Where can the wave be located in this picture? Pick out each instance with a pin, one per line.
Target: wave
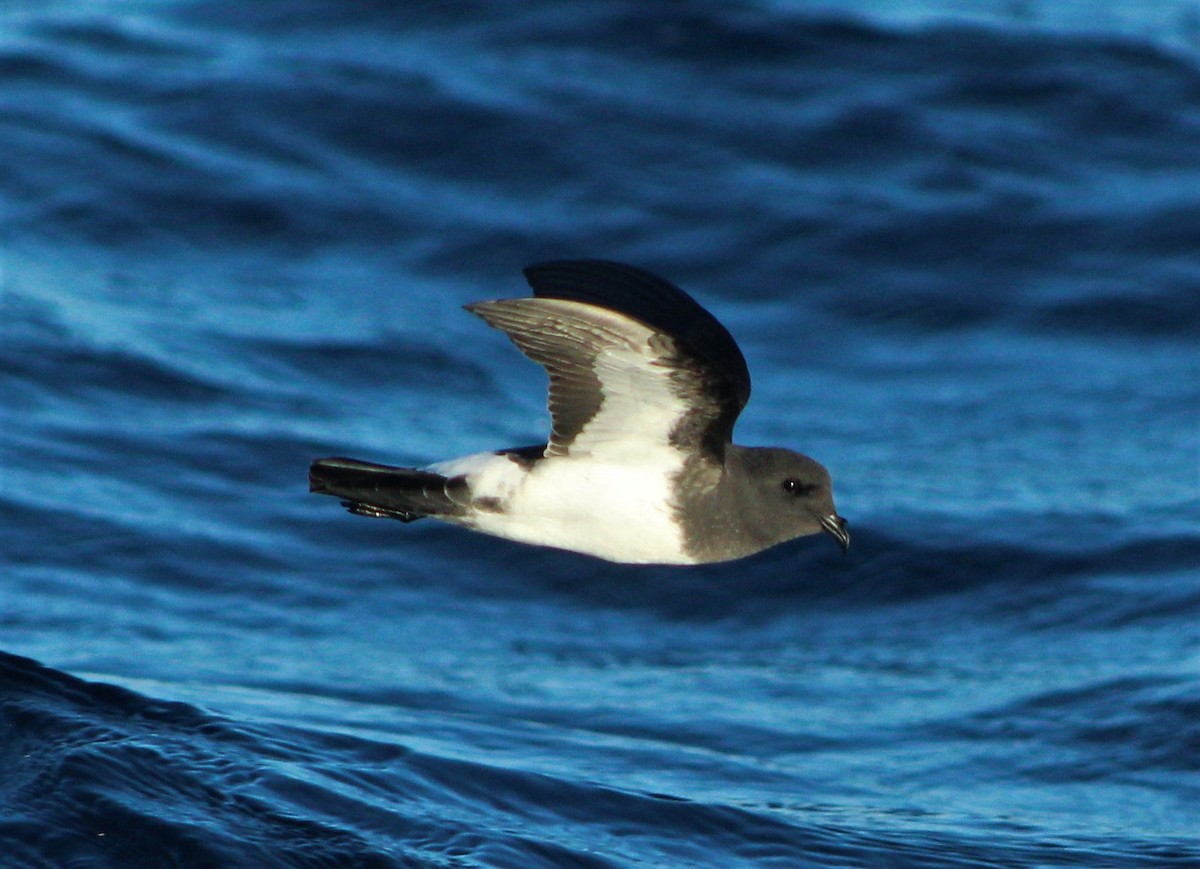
(1108, 728)
(78, 371)
(370, 143)
(385, 361)
(45, 358)
(107, 777)
(1028, 585)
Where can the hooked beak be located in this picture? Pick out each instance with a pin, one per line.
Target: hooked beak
(836, 525)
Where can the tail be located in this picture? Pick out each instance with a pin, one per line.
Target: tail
(367, 489)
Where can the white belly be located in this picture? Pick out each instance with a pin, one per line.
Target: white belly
(617, 511)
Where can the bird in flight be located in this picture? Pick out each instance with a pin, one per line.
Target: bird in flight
(639, 467)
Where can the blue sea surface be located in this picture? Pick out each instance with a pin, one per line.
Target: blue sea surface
(959, 245)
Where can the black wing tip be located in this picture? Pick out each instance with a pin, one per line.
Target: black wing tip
(653, 300)
(550, 278)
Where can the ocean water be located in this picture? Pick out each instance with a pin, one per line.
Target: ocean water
(960, 247)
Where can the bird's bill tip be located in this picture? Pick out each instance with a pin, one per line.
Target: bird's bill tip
(836, 526)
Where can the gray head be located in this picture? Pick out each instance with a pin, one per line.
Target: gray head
(783, 494)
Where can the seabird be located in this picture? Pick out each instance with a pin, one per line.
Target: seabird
(640, 467)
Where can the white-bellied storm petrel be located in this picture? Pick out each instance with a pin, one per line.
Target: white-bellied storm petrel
(645, 387)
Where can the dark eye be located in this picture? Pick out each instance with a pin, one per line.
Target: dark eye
(794, 487)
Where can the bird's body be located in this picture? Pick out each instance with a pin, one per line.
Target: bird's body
(645, 386)
(620, 511)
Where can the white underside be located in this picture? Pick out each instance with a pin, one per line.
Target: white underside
(617, 510)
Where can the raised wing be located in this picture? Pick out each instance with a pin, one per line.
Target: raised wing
(635, 364)
(656, 302)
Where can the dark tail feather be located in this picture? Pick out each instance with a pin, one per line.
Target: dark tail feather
(367, 489)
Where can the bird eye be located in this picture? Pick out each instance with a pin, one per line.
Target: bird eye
(794, 487)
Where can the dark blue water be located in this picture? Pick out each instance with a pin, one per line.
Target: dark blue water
(961, 254)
